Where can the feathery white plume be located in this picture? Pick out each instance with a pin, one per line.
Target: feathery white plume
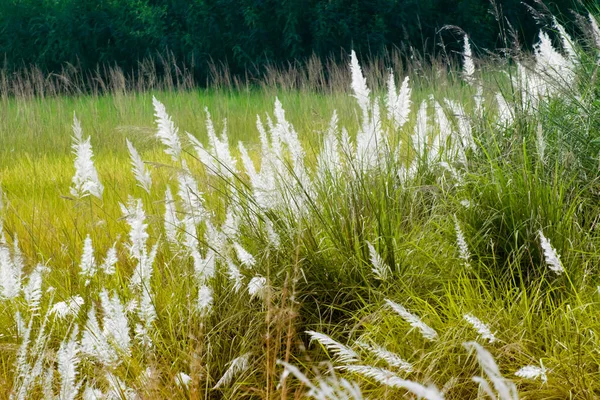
(205, 300)
(414, 321)
(481, 328)
(385, 355)
(380, 268)
(505, 388)
(463, 247)
(567, 41)
(595, 29)
(419, 137)
(85, 180)
(550, 254)
(359, 84)
(94, 343)
(88, 262)
(468, 65)
(111, 259)
(388, 378)
(182, 379)
(92, 393)
(236, 366)
(328, 161)
(69, 307)
(398, 105)
(172, 223)
(33, 289)
(116, 326)
(505, 114)
(10, 273)
(147, 315)
(167, 132)
(343, 354)
(139, 169)
(245, 258)
(234, 275)
(257, 287)
(533, 372)
(68, 361)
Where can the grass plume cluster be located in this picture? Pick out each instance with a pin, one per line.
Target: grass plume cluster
(438, 240)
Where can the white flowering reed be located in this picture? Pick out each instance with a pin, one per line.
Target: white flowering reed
(387, 356)
(205, 300)
(551, 255)
(414, 321)
(505, 389)
(482, 329)
(343, 354)
(461, 242)
(68, 361)
(388, 378)
(116, 325)
(85, 180)
(257, 287)
(167, 132)
(398, 104)
(87, 266)
(142, 175)
(468, 71)
(379, 267)
(69, 307)
(236, 366)
(533, 372)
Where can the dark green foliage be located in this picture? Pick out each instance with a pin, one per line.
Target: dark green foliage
(244, 34)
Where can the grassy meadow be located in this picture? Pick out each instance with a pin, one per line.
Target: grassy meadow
(431, 235)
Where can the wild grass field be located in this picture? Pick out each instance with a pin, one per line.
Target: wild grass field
(433, 235)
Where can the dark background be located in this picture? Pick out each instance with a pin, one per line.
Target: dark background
(246, 34)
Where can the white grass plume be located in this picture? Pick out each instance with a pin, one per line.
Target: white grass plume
(414, 321)
(343, 354)
(87, 266)
(235, 276)
(505, 114)
(550, 255)
(388, 378)
(68, 361)
(147, 315)
(94, 343)
(398, 104)
(111, 259)
(116, 325)
(257, 287)
(33, 289)
(533, 372)
(419, 137)
(567, 42)
(595, 30)
(69, 307)
(205, 300)
(167, 132)
(139, 169)
(10, 274)
(329, 388)
(182, 379)
(505, 388)
(468, 71)
(463, 247)
(359, 84)
(171, 221)
(236, 366)
(85, 180)
(245, 258)
(380, 268)
(389, 357)
(481, 328)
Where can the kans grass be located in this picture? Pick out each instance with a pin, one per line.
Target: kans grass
(436, 238)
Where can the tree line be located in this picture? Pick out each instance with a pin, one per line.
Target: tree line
(245, 34)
